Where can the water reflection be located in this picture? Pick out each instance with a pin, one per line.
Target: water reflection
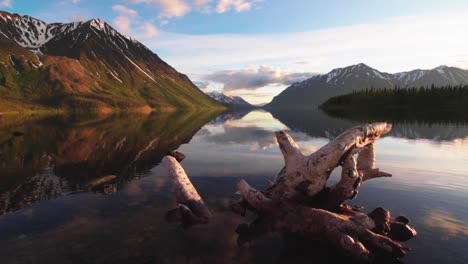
(447, 223)
(318, 124)
(63, 155)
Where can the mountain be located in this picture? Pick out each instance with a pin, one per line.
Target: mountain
(442, 75)
(86, 65)
(316, 90)
(233, 101)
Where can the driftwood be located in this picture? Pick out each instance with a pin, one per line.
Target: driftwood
(300, 203)
(191, 210)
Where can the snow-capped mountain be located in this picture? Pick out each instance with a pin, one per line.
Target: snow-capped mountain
(315, 90)
(442, 75)
(229, 100)
(87, 63)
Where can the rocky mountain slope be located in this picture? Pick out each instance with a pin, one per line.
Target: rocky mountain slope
(314, 91)
(86, 66)
(233, 101)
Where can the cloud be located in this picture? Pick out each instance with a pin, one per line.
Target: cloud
(202, 6)
(149, 30)
(238, 5)
(201, 84)
(392, 45)
(172, 8)
(123, 24)
(124, 10)
(168, 8)
(75, 1)
(136, 29)
(256, 78)
(6, 3)
(129, 23)
(201, 2)
(178, 8)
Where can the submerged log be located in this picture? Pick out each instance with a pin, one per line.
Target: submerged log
(191, 210)
(300, 203)
(100, 181)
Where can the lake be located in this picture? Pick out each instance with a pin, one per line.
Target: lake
(50, 214)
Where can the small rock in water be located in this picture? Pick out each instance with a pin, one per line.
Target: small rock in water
(401, 232)
(402, 219)
(179, 156)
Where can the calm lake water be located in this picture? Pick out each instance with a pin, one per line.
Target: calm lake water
(48, 213)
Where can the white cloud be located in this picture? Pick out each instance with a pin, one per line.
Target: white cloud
(201, 84)
(150, 30)
(75, 2)
(392, 45)
(167, 8)
(128, 22)
(255, 78)
(238, 5)
(172, 8)
(141, 30)
(123, 24)
(6, 3)
(178, 8)
(124, 10)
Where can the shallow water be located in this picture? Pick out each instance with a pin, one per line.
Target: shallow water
(49, 214)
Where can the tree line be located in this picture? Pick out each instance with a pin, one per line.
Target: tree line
(452, 94)
(427, 102)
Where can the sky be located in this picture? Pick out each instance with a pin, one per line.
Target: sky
(256, 48)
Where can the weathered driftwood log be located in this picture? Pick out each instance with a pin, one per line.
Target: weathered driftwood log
(299, 202)
(191, 209)
(306, 176)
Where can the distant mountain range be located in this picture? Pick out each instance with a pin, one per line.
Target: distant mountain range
(85, 65)
(232, 101)
(316, 90)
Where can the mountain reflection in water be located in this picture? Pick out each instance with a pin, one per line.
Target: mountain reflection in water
(58, 155)
(54, 209)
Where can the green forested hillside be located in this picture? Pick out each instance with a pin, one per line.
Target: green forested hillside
(87, 66)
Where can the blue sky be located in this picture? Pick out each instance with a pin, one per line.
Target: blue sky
(255, 48)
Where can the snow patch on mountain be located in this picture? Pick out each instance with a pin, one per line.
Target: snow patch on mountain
(33, 34)
(228, 100)
(363, 73)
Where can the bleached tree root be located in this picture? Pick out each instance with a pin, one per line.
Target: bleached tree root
(191, 209)
(300, 203)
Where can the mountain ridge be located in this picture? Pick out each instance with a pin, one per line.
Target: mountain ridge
(87, 65)
(315, 90)
(231, 101)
